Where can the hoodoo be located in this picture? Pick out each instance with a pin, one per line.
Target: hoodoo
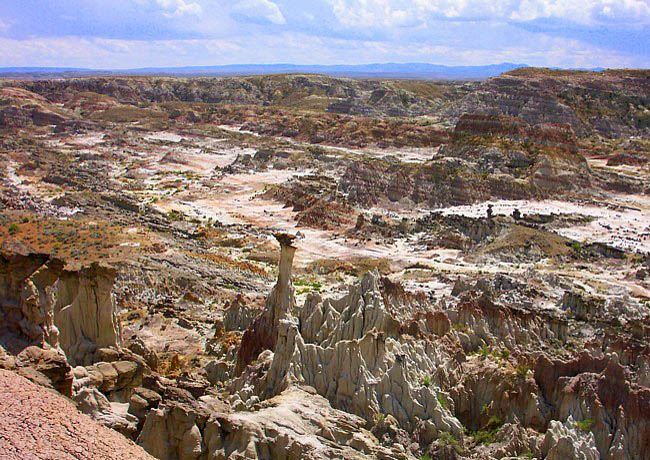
(43, 303)
(262, 334)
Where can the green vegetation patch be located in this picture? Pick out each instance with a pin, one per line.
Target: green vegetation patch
(305, 286)
(488, 435)
(585, 425)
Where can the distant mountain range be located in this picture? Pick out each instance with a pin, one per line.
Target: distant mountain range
(389, 70)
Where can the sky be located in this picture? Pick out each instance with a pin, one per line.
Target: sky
(126, 34)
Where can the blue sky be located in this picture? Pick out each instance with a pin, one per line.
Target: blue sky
(146, 33)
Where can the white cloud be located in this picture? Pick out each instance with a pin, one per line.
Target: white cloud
(179, 7)
(302, 48)
(259, 11)
(116, 54)
(3, 26)
(383, 13)
(374, 13)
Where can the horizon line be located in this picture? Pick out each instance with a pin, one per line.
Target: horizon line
(36, 68)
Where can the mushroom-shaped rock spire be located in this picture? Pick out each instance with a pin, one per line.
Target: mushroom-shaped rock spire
(280, 303)
(287, 251)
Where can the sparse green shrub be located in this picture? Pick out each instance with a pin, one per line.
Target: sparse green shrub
(484, 352)
(426, 380)
(494, 421)
(488, 435)
(522, 370)
(484, 436)
(585, 425)
(448, 439)
(460, 327)
(13, 229)
(307, 286)
(175, 215)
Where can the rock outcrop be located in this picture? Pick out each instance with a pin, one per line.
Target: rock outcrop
(352, 352)
(295, 424)
(343, 95)
(174, 431)
(238, 316)
(381, 354)
(609, 103)
(20, 108)
(487, 157)
(85, 313)
(41, 302)
(596, 392)
(567, 442)
(262, 335)
(46, 366)
(92, 402)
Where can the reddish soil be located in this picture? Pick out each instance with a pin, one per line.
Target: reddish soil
(39, 424)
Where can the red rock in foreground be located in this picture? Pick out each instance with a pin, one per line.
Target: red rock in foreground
(39, 424)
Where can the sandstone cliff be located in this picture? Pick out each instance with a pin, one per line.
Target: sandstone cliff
(42, 303)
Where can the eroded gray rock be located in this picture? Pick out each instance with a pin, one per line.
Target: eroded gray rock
(564, 441)
(44, 303)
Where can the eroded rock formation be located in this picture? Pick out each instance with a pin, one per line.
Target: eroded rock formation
(369, 353)
(351, 352)
(262, 335)
(42, 303)
(600, 102)
(295, 424)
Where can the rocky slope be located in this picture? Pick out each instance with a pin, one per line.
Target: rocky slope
(341, 95)
(488, 157)
(611, 103)
(42, 303)
(38, 424)
(19, 107)
(387, 356)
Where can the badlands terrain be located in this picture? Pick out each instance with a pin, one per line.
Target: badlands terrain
(306, 267)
